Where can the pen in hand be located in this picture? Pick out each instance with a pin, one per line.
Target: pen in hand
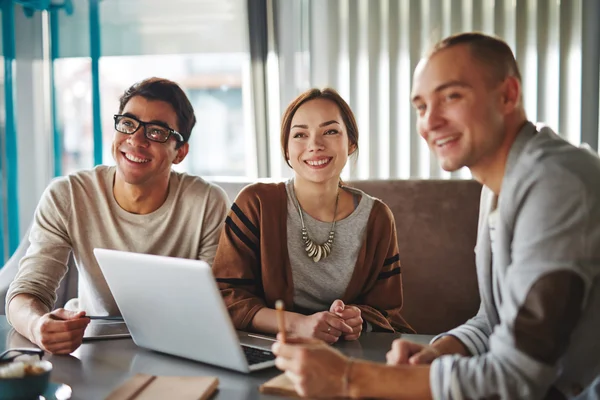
(104, 317)
(279, 309)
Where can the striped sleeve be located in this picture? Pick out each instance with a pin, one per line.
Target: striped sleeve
(237, 262)
(473, 334)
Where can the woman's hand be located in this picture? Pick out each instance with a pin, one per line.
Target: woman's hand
(351, 316)
(323, 325)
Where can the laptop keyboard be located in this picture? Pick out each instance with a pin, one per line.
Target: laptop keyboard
(255, 356)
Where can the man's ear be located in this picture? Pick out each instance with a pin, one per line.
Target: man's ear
(181, 153)
(511, 95)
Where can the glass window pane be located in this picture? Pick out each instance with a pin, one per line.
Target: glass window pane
(73, 80)
(157, 27)
(201, 45)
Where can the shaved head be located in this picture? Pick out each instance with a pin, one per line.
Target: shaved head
(493, 53)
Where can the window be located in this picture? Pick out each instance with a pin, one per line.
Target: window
(200, 45)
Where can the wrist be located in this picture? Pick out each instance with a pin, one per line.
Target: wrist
(437, 353)
(449, 345)
(346, 379)
(32, 328)
(354, 376)
(292, 321)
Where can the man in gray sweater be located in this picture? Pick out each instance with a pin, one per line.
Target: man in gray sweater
(537, 253)
(139, 205)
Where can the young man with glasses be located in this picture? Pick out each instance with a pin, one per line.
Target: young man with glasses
(139, 205)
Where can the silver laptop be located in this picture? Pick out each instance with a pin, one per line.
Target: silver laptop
(173, 305)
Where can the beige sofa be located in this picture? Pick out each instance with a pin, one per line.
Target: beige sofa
(436, 222)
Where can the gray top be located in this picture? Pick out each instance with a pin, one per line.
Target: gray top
(318, 284)
(539, 279)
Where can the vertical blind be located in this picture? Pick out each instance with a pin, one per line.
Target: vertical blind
(368, 49)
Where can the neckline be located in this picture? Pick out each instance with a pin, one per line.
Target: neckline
(160, 211)
(289, 186)
(301, 210)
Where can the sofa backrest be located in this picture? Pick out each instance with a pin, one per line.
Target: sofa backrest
(436, 221)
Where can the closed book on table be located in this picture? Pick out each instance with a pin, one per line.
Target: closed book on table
(281, 385)
(150, 387)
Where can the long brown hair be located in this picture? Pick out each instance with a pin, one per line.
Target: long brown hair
(328, 94)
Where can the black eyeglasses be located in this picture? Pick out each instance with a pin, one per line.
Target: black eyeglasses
(155, 132)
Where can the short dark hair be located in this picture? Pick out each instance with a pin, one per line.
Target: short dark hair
(327, 94)
(169, 92)
(491, 51)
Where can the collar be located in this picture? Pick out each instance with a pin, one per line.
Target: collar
(525, 134)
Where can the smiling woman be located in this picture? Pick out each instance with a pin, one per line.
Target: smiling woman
(304, 241)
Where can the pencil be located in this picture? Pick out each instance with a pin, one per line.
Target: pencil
(279, 307)
(105, 317)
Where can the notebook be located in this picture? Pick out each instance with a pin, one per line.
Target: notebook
(281, 385)
(150, 387)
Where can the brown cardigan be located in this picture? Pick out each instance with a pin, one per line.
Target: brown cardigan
(252, 265)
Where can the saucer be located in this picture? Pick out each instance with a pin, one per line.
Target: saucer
(57, 391)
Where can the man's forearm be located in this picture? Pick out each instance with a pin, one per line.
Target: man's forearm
(23, 311)
(450, 345)
(373, 380)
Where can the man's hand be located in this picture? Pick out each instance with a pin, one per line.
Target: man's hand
(351, 316)
(323, 325)
(60, 331)
(405, 352)
(315, 369)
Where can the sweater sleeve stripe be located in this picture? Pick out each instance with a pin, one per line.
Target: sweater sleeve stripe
(441, 379)
(236, 281)
(245, 239)
(389, 274)
(479, 335)
(240, 214)
(391, 260)
(466, 338)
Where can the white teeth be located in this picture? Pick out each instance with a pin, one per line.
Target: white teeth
(319, 162)
(441, 142)
(136, 159)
